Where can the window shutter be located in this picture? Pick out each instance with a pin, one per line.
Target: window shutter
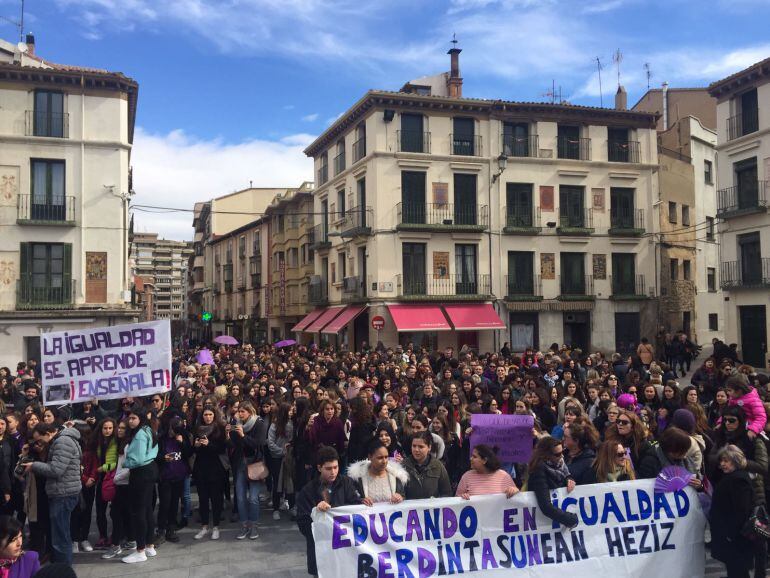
(25, 262)
(67, 272)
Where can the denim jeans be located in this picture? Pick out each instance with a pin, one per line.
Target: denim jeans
(247, 497)
(187, 499)
(61, 540)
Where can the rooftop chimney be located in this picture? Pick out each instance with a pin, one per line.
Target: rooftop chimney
(455, 81)
(621, 99)
(30, 42)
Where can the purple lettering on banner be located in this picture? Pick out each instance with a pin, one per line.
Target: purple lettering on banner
(338, 534)
(510, 436)
(426, 563)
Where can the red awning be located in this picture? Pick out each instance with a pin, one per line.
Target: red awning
(322, 320)
(350, 313)
(307, 320)
(473, 316)
(410, 317)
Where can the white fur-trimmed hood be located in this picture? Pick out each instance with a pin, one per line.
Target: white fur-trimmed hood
(395, 470)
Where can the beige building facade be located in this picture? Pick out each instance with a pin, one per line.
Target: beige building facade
(66, 134)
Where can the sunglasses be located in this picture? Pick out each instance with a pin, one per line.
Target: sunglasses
(731, 420)
(620, 454)
(624, 422)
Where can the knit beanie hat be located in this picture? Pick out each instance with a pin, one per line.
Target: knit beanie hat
(684, 420)
(626, 401)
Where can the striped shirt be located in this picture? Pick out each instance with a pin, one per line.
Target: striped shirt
(477, 484)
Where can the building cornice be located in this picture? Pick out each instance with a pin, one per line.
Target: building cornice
(741, 80)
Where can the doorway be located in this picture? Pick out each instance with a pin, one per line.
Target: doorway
(627, 332)
(577, 330)
(753, 334)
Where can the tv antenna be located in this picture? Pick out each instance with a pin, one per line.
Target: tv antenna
(454, 40)
(617, 58)
(599, 70)
(648, 72)
(552, 94)
(17, 23)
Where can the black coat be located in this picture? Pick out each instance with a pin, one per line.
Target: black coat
(541, 485)
(731, 506)
(580, 467)
(343, 492)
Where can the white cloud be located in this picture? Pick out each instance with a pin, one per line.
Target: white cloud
(176, 170)
(310, 117)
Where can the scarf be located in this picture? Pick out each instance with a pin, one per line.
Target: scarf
(558, 474)
(249, 423)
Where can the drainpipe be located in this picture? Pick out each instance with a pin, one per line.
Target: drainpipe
(82, 180)
(665, 105)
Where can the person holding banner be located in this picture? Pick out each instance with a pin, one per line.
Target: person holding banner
(379, 479)
(547, 471)
(485, 476)
(428, 477)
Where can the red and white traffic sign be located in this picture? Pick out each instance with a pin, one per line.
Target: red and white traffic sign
(378, 322)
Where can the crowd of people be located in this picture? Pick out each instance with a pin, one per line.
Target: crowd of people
(304, 427)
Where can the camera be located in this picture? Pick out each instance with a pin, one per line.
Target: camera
(20, 470)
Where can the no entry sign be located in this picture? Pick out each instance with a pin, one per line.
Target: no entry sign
(378, 322)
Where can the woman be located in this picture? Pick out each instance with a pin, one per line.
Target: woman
(120, 508)
(209, 469)
(362, 428)
(428, 477)
(387, 436)
(279, 436)
(324, 428)
(378, 478)
(580, 440)
(689, 395)
(717, 407)
(173, 458)
(246, 438)
(485, 476)
(731, 506)
(706, 380)
(612, 464)
(547, 472)
(16, 563)
(105, 446)
(141, 452)
(629, 430)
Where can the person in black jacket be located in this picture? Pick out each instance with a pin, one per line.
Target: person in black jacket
(209, 469)
(329, 490)
(547, 471)
(581, 439)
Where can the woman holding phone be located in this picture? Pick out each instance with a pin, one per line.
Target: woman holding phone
(209, 469)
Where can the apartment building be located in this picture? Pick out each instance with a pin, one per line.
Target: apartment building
(688, 249)
(451, 221)
(66, 134)
(743, 170)
(165, 263)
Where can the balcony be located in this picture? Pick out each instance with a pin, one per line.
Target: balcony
(318, 294)
(437, 288)
(578, 149)
(58, 210)
(576, 222)
(242, 282)
(625, 288)
(357, 221)
(576, 288)
(742, 124)
(738, 275)
(353, 289)
(339, 163)
(742, 200)
(413, 141)
(626, 222)
(525, 222)
(441, 217)
(48, 124)
(30, 297)
(323, 174)
(523, 289)
(623, 151)
(319, 237)
(520, 146)
(359, 149)
(468, 145)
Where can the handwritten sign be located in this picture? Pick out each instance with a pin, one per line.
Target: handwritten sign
(509, 435)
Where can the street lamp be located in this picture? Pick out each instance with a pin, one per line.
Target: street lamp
(502, 163)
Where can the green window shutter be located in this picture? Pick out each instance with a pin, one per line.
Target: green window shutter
(25, 273)
(67, 272)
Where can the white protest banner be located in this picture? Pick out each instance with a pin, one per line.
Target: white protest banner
(625, 529)
(106, 363)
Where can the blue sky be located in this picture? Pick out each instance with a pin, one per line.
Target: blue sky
(232, 90)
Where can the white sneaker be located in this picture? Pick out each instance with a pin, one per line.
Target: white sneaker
(215, 533)
(85, 546)
(135, 557)
(285, 505)
(276, 515)
(150, 552)
(203, 531)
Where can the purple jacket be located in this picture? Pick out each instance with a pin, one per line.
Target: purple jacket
(25, 567)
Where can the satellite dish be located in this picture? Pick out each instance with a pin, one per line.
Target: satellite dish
(23, 48)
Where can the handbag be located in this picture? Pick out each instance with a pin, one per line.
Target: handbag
(108, 486)
(757, 527)
(257, 471)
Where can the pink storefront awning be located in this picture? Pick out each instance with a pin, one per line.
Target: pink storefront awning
(412, 317)
(307, 320)
(473, 316)
(322, 320)
(350, 313)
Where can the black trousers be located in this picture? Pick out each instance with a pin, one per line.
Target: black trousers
(120, 513)
(169, 496)
(210, 492)
(141, 483)
(80, 522)
(101, 512)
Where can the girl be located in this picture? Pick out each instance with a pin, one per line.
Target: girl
(247, 437)
(612, 464)
(121, 504)
(104, 445)
(209, 469)
(746, 397)
(378, 478)
(279, 436)
(547, 471)
(174, 452)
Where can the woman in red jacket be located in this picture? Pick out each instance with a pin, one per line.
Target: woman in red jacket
(80, 522)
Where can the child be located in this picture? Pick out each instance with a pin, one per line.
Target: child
(743, 395)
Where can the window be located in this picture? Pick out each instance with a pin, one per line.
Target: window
(747, 185)
(49, 118)
(671, 212)
(709, 228)
(520, 273)
(686, 215)
(686, 273)
(342, 264)
(359, 147)
(413, 263)
(518, 211)
(463, 137)
(517, 140)
(750, 258)
(711, 279)
(623, 274)
(465, 212)
(412, 197)
(573, 281)
(708, 172)
(571, 213)
(569, 143)
(413, 137)
(622, 208)
(618, 145)
(713, 322)
(340, 204)
(339, 160)
(242, 247)
(466, 282)
(48, 201)
(46, 274)
(323, 169)
(673, 269)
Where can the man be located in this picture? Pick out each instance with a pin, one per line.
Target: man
(26, 394)
(61, 471)
(330, 490)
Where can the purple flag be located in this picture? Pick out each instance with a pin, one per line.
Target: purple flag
(510, 436)
(205, 357)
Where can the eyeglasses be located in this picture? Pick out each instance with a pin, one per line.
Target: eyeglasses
(731, 420)
(624, 422)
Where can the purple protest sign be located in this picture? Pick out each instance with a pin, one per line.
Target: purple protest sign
(204, 357)
(509, 435)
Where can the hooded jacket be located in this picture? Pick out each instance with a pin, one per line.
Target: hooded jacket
(398, 477)
(62, 468)
(756, 417)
